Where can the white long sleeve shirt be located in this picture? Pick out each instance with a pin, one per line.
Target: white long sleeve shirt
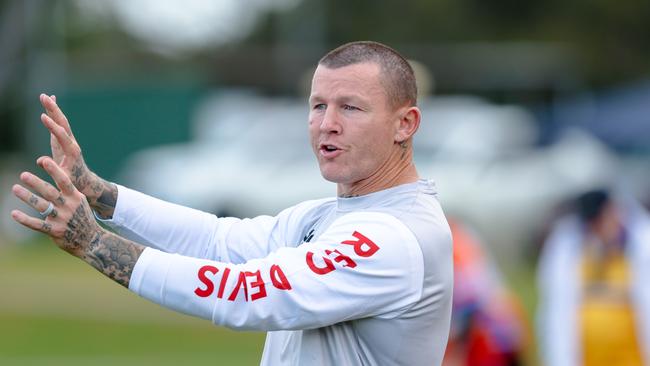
(347, 281)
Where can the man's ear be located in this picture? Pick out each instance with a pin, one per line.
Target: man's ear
(409, 121)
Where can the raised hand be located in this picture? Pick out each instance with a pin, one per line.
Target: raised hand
(66, 152)
(67, 216)
(68, 220)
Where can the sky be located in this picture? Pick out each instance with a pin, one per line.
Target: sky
(175, 27)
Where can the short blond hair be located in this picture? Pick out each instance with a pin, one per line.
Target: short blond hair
(397, 74)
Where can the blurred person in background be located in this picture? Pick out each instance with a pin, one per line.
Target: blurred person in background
(593, 277)
(361, 279)
(488, 327)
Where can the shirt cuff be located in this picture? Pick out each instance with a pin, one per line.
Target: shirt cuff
(149, 274)
(124, 196)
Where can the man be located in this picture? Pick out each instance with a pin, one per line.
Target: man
(361, 279)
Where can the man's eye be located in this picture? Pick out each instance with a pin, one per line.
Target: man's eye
(348, 107)
(320, 106)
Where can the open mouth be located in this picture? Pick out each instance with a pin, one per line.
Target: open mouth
(329, 151)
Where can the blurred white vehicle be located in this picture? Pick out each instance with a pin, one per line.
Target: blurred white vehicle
(489, 171)
(241, 142)
(251, 156)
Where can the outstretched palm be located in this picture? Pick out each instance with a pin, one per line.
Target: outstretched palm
(66, 152)
(65, 149)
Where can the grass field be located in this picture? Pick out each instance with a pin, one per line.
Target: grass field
(55, 310)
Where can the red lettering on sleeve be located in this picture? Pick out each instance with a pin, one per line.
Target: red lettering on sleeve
(347, 261)
(209, 285)
(241, 282)
(278, 278)
(371, 247)
(222, 284)
(329, 266)
(259, 284)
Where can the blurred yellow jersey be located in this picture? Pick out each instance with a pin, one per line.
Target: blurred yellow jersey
(607, 317)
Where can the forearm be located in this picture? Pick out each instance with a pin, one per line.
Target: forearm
(103, 198)
(341, 276)
(159, 224)
(112, 255)
(101, 194)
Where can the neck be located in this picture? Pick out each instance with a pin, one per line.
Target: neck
(397, 170)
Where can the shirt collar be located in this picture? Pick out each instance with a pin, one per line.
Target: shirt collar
(384, 196)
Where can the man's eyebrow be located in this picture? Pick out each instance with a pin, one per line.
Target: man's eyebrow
(315, 98)
(351, 98)
(339, 99)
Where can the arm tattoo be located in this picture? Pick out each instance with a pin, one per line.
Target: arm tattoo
(113, 256)
(106, 198)
(80, 175)
(110, 254)
(101, 195)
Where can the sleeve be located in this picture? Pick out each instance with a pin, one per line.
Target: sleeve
(557, 275)
(177, 229)
(639, 256)
(365, 264)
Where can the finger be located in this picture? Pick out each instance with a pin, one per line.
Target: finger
(60, 177)
(55, 112)
(66, 142)
(30, 198)
(43, 188)
(31, 222)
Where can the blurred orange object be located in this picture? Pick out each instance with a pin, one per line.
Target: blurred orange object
(488, 326)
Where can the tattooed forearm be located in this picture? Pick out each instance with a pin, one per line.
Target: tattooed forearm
(104, 198)
(80, 175)
(113, 256)
(110, 254)
(101, 194)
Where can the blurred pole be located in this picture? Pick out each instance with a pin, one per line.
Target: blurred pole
(11, 41)
(45, 60)
(299, 33)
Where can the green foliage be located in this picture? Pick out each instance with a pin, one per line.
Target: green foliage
(609, 38)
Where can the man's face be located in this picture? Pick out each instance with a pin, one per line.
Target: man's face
(351, 124)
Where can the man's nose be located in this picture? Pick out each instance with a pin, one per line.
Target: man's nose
(330, 122)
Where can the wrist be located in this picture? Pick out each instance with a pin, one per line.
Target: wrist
(84, 244)
(102, 196)
(93, 189)
(113, 256)
(90, 251)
